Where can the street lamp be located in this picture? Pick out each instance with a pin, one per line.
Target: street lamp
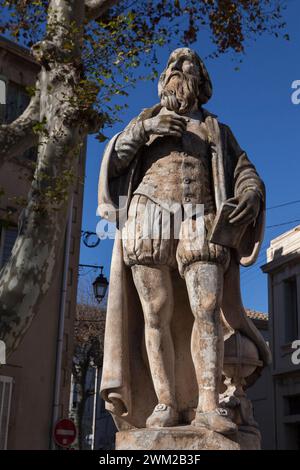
(100, 285)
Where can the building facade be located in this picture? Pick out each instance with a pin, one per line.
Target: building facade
(283, 269)
(35, 383)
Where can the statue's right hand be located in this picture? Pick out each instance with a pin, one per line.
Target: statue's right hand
(165, 124)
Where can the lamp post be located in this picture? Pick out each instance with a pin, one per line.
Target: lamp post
(100, 286)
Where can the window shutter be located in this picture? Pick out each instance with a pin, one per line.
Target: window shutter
(2, 100)
(6, 384)
(9, 237)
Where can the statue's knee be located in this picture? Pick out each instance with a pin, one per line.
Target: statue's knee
(156, 321)
(202, 300)
(158, 313)
(209, 302)
(205, 307)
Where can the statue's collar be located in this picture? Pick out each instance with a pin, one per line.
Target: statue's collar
(207, 113)
(154, 110)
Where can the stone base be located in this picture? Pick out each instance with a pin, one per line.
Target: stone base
(175, 438)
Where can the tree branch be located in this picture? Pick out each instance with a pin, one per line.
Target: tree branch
(19, 136)
(96, 8)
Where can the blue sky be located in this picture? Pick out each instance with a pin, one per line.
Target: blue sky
(256, 103)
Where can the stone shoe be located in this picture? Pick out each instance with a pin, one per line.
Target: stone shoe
(216, 420)
(163, 416)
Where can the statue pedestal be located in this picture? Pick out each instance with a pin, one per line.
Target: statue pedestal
(175, 438)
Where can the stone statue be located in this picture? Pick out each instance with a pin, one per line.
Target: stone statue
(174, 299)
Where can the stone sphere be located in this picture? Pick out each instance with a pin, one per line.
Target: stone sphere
(241, 356)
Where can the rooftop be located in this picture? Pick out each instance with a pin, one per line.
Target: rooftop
(255, 315)
(17, 49)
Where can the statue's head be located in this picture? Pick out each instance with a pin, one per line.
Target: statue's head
(184, 82)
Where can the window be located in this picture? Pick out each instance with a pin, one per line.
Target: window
(17, 101)
(66, 342)
(70, 277)
(68, 309)
(14, 103)
(292, 405)
(291, 309)
(72, 245)
(5, 401)
(74, 215)
(8, 238)
(292, 436)
(2, 100)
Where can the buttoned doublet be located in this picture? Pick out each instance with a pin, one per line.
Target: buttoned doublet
(173, 205)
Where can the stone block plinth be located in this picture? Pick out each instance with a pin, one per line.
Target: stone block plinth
(175, 438)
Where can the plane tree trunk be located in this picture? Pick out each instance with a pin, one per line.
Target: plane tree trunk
(57, 120)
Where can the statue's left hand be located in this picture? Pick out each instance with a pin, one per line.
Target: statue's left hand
(248, 205)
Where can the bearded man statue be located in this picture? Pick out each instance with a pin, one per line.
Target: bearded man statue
(174, 298)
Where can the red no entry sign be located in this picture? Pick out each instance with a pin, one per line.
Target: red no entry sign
(64, 432)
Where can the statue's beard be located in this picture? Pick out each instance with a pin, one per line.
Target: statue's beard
(180, 92)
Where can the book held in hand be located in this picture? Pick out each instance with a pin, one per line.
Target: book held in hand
(223, 232)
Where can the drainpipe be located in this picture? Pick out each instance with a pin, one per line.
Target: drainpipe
(95, 408)
(61, 325)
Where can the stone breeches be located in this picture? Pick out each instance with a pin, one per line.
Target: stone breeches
(154, 236)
